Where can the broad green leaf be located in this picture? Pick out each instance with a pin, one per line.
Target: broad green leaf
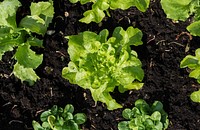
(195, 73)
(134, 85)
(25, 74)
(8, 10)
(69, 108)
(124, 125)
(136, 124)
(9, 39)
(80, 118)
(5, 46)
(106, 98)
(33, 41)
(26, 57)
(142, 5)
(95, 15)
(149, 124)
(70, 125)
(136, 112)
(197, 13)
(135, 71)
(73, 1)
(156, 116)
(82, 78)
(142, 106)
(70, 72)
(81, 43)
(127, 113)
(61, 121)
(46, 125)
(157, 106)
(43, 9)
(189, 61)
(44, 115)
(182, 8)
(37, 126)
(34, 24)
(132, 36)
(195, 96)
(109, 101)
(197, 53)
(103, 35)
(54, 109)
(135, 36)
(68, 116)
(81, 1)
(159, 126)
(194, 28)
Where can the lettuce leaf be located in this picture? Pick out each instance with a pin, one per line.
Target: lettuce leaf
(20, 36)
(193, 63)
(182, 10)
(96, 14)
(100, 64)
(8, 10)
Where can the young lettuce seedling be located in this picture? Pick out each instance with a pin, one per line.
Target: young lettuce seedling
(144, 117)
(100, 65)
(96, 14)
(193, 63)
(58, 118)
(20, 36)
(181, 10)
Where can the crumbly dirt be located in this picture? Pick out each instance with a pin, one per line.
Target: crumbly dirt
(166, 43)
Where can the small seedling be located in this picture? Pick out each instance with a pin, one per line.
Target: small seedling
(58, 118)
(144, 117)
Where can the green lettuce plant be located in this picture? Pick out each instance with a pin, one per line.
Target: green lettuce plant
(100, 64)
(193, 63)
(20, 37)
(144, 117)
(183, 9)
(96, 14)
(58, 118)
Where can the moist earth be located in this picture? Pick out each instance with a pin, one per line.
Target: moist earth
(165, 44)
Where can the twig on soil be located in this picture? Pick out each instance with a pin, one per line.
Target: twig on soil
(38, 112)
(51, 92)
(17, 121)
(93, 126)
(13, 107)
(60, 53)
(184, 33)
(188, 40)
(160, 42)
(8, 103)
(179, 44)
(151, 39)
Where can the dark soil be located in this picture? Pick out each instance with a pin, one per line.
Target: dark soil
(165, 45)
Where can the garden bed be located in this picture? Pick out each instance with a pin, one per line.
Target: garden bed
(164, 45)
